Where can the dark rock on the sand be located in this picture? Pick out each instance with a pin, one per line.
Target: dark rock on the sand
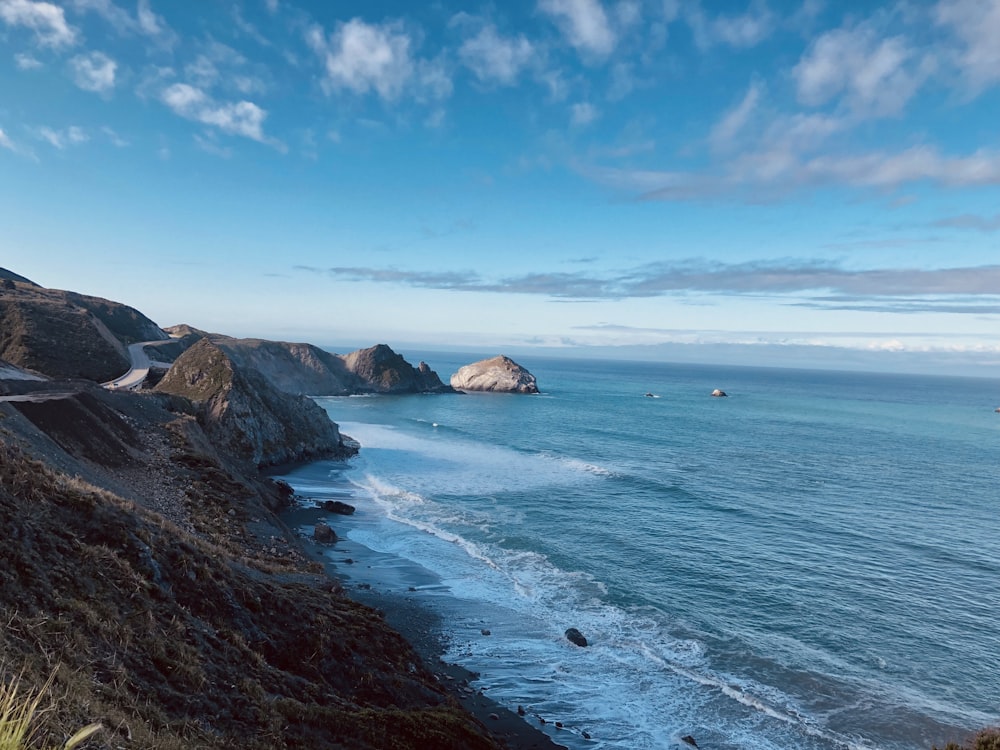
(520, 710)
(335, 506)
(689, 739)
(718, 393)
(575, 636)
(323, 534)
(495, 717)
(499, 374)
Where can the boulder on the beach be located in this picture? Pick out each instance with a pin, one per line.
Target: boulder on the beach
(575, 636)
(499, 375)
(718, 393)
(323, 534)
(335, 506)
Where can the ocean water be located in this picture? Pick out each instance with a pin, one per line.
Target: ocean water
(812, 562)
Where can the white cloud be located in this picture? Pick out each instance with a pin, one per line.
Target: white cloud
(726, 130)
(741, 31)
(60, 139)
(363, 57)
(583, 113)
(26, 62)
(153, 25)
(378, 58)
(6, 142)
(496, 59)
(977, 24)
(113, 136)
(94, 71)
(235, 118)
(46, 20)
(875, 75)
(778, 170)
(584, 23)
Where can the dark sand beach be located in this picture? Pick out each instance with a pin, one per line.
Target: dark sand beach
(398, 590)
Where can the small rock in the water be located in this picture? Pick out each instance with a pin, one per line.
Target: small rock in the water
(485, 631)
(365, 586)
(494, 717)
(689, 739)
(541, 720)
(335, 506)
(349, 561)
(650, 395)
(412, 588)
(585, 735)
(575, 636)
(558, 725)
(520, 710)
(323, 534)
(718, 393)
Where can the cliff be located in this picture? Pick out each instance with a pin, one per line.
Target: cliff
(299, 368)
(146, 572)
(381, 370)
(63, 334)
(245, 414)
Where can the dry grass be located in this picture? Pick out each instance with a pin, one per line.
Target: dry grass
(20, 711)
(172, 641)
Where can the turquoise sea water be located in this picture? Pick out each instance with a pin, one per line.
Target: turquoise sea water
(813, 562)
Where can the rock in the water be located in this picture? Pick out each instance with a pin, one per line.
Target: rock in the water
(499, 374)
(689, 739)
(575, 636)
(335, 506)
(323, 534)
(718, 393)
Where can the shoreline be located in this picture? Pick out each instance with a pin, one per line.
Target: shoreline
(393, 587)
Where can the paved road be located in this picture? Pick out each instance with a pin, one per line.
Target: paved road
(37, 398)
(141, 363)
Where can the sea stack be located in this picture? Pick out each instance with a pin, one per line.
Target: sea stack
(719, 393)
(499, 374)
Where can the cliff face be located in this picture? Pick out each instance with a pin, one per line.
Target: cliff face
(135, 568)
(293, 368)
(67, 335)
(381, 370)
(306, 369)
(245, 414)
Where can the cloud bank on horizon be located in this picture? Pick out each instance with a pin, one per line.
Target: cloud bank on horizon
(558, 172)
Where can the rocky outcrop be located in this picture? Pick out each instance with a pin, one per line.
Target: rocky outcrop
(575, 636)
(499, 374)
(381, 370)
(718, 393)
(247, 417)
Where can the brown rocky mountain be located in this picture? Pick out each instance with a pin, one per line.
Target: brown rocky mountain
(63, 334)
(307, 369)
(245, 414)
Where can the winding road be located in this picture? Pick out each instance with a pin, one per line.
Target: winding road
(141, 363)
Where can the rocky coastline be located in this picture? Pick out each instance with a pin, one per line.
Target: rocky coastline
(150, 581)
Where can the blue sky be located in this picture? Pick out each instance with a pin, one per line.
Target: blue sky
(807, 182)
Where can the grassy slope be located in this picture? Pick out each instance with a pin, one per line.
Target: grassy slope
(197, 638)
